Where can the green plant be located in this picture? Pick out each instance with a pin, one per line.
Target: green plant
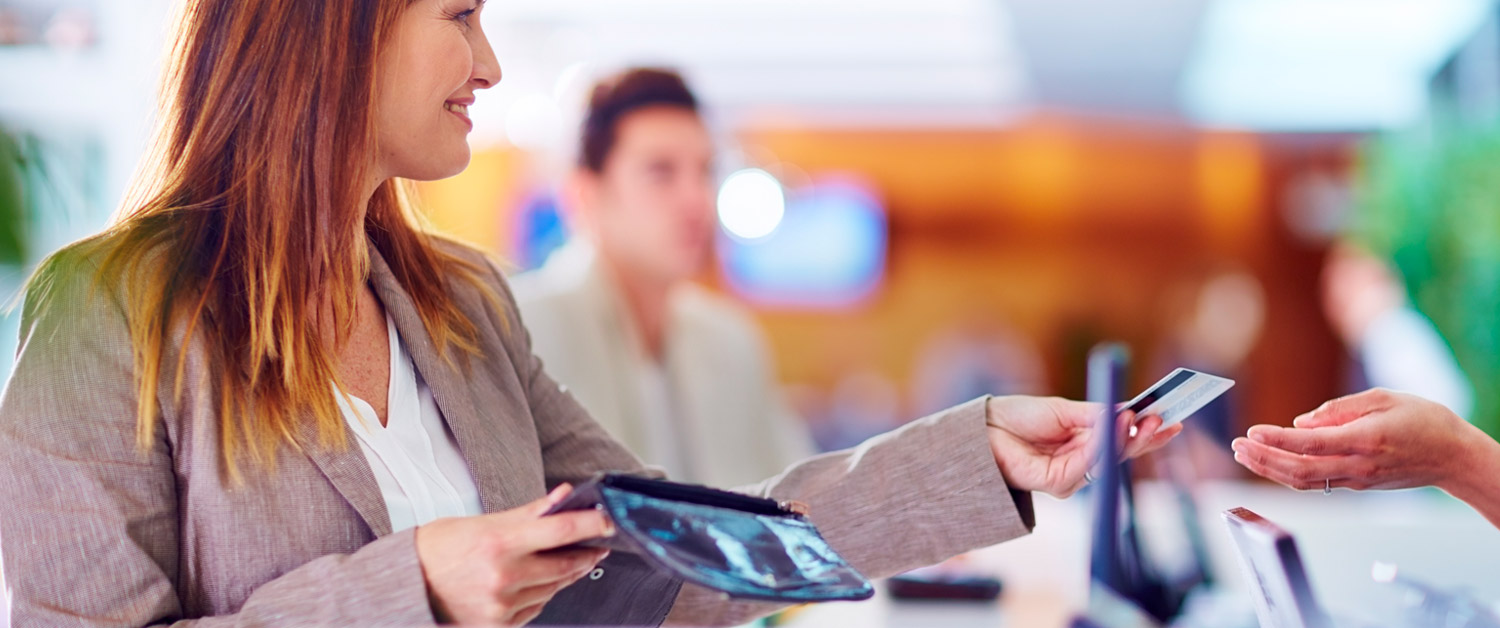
(13, 208)
(1429, 201)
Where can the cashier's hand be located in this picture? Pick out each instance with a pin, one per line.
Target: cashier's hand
(1377, 439)
(1047, 443)
(491, 570)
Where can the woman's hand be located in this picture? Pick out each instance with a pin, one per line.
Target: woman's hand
(1376, 439)
(491, 569)
(1047, 444)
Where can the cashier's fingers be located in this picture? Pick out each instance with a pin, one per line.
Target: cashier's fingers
(1322, 441)
(1300, 472)
(1347, 409)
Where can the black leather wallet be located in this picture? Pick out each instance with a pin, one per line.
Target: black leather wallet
(746, 547)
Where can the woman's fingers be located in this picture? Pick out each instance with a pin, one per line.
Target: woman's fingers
(532, 510)
(551, 568)
(483, 569)
(545, 575)
(1124, 422)
(1161, 438)
(1298, 471)
(1076, 414)
(1136, 438)
(541, 506)
(1139, 438)
(525, 615)
(558, 530)
(1069, 490)
(532, 582)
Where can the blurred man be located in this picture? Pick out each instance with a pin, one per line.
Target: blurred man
(1214, 318)
(679, 375)
(1396, 346)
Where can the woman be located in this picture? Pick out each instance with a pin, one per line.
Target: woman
(263, 397)
(675, 373)
(1379, 439)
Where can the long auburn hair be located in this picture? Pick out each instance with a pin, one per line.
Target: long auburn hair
(243, 224)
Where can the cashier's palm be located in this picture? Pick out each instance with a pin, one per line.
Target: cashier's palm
(1047, 444)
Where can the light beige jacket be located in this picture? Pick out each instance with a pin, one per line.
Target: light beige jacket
(97, 533)
(726, 400)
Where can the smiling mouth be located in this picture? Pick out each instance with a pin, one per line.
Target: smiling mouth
(462, 110)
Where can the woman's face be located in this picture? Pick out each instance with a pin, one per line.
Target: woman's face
(436, 60)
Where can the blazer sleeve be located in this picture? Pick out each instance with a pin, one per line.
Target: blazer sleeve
(89, 521)
(913, 497)
(933, 484)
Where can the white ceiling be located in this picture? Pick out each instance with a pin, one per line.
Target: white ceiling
(859, 58)
(1106, 56)
(1304, 66)
(966, 62)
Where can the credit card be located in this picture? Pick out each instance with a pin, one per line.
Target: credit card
(1178, 395)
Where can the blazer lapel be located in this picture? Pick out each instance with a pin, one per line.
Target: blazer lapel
(350, 474)
(487, 457)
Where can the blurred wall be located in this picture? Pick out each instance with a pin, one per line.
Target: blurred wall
(1068, 229)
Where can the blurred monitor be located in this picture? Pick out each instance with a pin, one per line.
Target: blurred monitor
(1118, 563)
(1273, 566)
(828, 251)
(540, 230)
(1111, 559)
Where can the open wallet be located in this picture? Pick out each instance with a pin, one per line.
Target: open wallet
(746, 547)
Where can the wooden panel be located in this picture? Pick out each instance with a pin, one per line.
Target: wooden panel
(1064, 229)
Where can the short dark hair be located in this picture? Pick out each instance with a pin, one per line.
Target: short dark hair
(617, 96)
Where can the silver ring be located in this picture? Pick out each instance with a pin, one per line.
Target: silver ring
(1327, 486)
(1088, 476)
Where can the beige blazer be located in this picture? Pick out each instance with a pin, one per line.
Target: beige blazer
(727, 403)
(97, 533)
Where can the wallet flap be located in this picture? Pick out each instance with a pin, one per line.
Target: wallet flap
(744, 546)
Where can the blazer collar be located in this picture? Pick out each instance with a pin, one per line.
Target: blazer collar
(490, 462)
(349, 471)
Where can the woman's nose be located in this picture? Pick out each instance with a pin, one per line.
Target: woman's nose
(486, 73)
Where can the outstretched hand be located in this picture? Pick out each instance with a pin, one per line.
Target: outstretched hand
(1377, 439)
(1047, 443)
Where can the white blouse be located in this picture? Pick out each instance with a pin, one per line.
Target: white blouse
(415, 457)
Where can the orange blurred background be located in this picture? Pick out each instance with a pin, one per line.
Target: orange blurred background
(1069, 229)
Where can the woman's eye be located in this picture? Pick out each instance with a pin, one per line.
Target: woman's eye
(463, 16)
